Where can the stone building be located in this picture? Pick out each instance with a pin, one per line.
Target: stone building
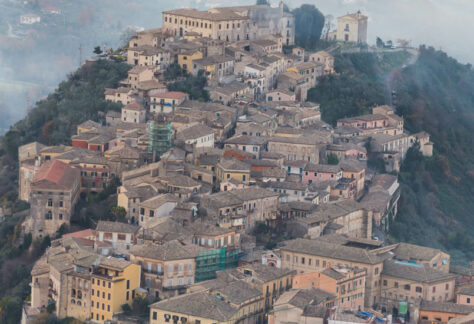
(232, 24)
(54, 192)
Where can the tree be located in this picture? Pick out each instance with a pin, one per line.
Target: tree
(332, 159)
(97, 50)
(309, 23)
(119, 213)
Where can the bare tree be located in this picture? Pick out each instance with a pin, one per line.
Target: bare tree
(328, 26)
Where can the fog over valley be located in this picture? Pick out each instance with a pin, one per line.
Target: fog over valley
(35, 58)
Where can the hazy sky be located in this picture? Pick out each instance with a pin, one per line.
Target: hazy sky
(445, 24)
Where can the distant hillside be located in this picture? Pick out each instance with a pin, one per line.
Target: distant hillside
(436, 95)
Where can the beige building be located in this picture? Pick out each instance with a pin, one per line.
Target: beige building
(296, 148)
(324, 58)
(166, 269)
(120, 236)
(237, 302)
(149, 56)
(231, 24)
(54, 192)
(411, 282)
(134, 113)
(352, 28)
(305, 256)
(296, 305)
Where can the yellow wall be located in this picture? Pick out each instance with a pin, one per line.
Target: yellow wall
(222, 176)
(189, 60)
(118, 292)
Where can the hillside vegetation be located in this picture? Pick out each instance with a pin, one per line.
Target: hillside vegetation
(51, 122)
(435, 95)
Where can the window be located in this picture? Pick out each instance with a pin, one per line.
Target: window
(418, 289)
(468, 300)
(108, 296)
(434, 289)
(50, 202)
(61, 203)
(155, 315)
(385, 282)
(128, 295)
(395, 284)
(302, 260)
(406, 287)
(128, 284)
(447, 286)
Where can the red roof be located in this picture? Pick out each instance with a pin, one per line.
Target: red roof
(57, 174)
(81, 234)
(134, 106)
(171, 95)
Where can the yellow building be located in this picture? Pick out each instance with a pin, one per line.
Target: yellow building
(233, 169)
(185, 59)
(113, 283)
(352, 28)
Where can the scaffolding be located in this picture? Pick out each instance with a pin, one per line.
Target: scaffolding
(159, 133)
(209, 262)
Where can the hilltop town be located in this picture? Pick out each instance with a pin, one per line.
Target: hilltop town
(234, 202)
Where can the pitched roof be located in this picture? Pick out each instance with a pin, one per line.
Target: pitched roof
(246, 140)
(252, 193)
(467, 291)
(116, 227)
(171, 95)
(172, 250)
(326, 168)
(312, 296)
(55, 175)
(331, 250)
(446, 307)
(114, 263)
(414, 272)
(194, 132)
(200, 304)
(133, 106)
(234, 165)
(407, 252)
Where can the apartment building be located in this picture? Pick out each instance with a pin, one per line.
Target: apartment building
(114, 282)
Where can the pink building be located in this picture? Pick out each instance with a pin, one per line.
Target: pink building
(321, 172)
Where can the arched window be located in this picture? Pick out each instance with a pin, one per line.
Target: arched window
(73, 301)
(73, 293)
